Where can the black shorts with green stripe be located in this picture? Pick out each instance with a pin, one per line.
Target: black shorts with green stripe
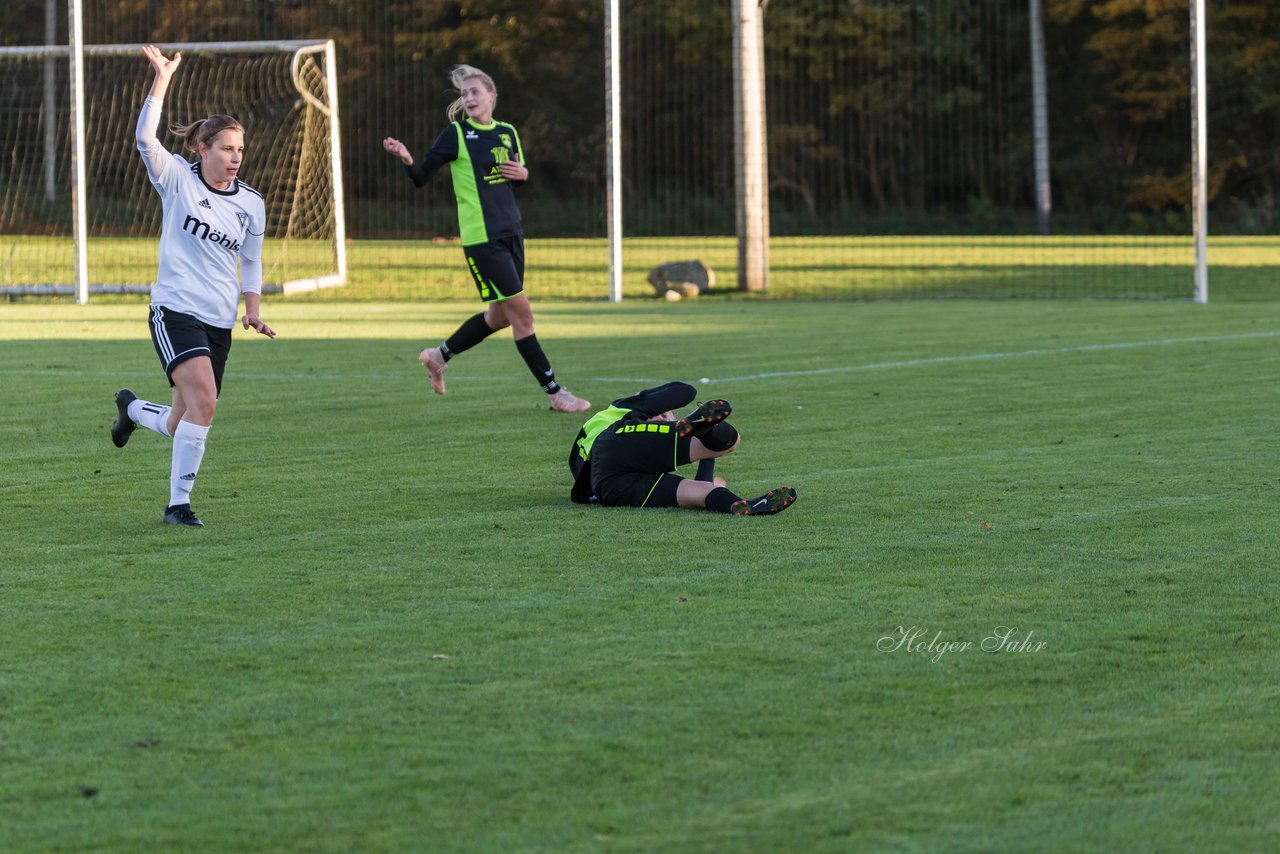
(497, 267)
(632, 464)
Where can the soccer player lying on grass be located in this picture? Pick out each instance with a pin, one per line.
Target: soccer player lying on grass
(625, 455)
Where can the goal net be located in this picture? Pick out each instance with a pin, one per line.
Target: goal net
(283, 93)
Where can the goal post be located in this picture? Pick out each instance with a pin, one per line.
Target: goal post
(285, 94)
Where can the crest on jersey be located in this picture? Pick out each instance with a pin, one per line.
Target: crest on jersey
(506, 139)
(243, 217)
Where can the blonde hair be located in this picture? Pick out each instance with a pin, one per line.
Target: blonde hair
(460, 75)
(202, 131)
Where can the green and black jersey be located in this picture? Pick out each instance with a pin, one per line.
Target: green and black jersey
(486, 203)
(640, 406)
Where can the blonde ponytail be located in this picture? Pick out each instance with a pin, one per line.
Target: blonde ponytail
(203, 131)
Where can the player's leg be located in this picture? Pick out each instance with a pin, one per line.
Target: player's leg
(124, 425)
(704, 418)
(520, 313)
(436, 359)
(171, 333)
(197, 384)
(473, 330)
(700, 494)
(195, 399)
(718, 498)
(502, 268)
(710, 436)
(773, 501)
(716, 441)
(720, 440)
(195, 392)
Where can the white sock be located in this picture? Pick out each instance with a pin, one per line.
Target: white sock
(153, 416)
(188, 450)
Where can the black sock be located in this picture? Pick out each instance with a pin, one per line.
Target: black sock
(706, 470)
(531, 352)
(472, 331)
(719, 500)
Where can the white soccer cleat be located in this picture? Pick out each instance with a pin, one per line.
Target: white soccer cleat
(565, 401)
(436, 366)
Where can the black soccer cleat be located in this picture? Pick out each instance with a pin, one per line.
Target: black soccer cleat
(773, 501)
(180, 514)
(701, 420)
(123, 426)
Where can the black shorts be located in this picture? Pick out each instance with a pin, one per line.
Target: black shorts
(497, 267)
(632, 464)
(179, 337)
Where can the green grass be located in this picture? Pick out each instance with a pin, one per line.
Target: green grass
(396, 633)
(1242, 268)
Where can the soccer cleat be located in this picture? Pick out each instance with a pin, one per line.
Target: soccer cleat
(702, 419)
(565, 401)
(436, 366)
(180, 514)
(123, 426)
(773, 501)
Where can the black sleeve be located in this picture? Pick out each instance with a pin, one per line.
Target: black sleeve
(444, 150)
(654, 401)
(520, 154)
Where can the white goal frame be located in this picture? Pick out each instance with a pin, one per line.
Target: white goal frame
(75, 52)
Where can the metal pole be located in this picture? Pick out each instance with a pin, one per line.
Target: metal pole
(1040, 118)
(335, 156)
(613, 144)
(50, 103)
(752, 163)
(79, 187)
(1199, 151)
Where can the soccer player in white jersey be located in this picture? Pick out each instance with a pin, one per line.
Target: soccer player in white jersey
(210, 254)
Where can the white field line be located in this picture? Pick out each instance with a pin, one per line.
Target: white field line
(1016, 354)
(844, 369)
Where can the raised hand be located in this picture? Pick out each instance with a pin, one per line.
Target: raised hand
(163, 67)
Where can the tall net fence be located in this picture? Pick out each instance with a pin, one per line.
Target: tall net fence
(900, 139)
(279, 96)
(901, 149)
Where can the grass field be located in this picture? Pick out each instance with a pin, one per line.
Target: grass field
(867, 268)
(396, 633)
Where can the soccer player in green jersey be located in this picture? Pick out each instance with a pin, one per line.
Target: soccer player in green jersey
(626, 455)
(486, 160)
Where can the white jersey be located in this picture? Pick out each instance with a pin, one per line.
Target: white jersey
(210, 241)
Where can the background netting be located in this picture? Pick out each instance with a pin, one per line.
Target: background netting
(899, 135)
